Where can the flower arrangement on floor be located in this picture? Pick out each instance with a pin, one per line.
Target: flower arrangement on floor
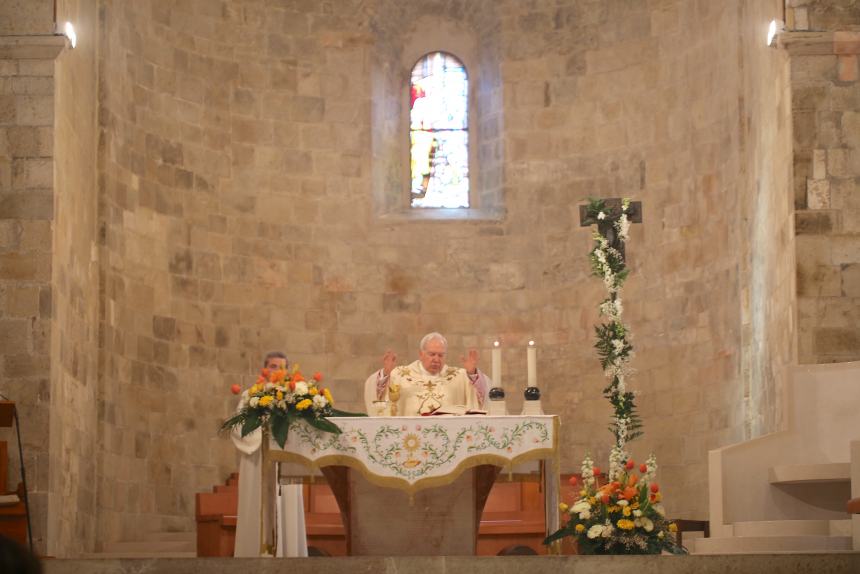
(624, 515)
(280, 398)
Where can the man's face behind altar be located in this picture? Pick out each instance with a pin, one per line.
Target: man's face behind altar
(432, 356)
(276, 364)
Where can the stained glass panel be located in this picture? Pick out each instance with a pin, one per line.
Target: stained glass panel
(439, 136)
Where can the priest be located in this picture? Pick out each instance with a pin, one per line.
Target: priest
(427, 384)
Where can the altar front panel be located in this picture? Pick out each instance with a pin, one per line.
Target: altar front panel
(413, 453)
(409, 455)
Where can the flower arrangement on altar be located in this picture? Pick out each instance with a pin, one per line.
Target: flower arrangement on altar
(624, 515)
(279, 399)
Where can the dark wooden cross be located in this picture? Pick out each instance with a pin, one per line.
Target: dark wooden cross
(606, 227)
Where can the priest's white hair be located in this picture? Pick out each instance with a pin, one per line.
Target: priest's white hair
(434, 336)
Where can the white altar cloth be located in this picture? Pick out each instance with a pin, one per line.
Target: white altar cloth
(414, 453)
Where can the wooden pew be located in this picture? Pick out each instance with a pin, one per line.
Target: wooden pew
(13, 517)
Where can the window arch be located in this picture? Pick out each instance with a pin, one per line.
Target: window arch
(439, 132)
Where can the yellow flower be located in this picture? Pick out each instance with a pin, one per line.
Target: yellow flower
(280, 396)
(266, 400)
(254, 389)
(626, 511)
(313, 391)
(658, 497)
(583, 492)
(327, 395)
(673, 527)
(304, 404)
(634, 506)
(563, 507)
(592, 501)
(625, 524)
(579, 528)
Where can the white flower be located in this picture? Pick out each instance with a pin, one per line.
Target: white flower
(658, 508)
(595, 531)
(618, 344)
(623, 503)
(319, 402)
(660, 534)
(601, 216)
(580, 506)
(585, 515)
(253, 402)
(637, 513)
(301, 388)
(647, 524)
(269, 386)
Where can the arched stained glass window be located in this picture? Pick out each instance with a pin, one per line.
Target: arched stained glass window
(439, 132)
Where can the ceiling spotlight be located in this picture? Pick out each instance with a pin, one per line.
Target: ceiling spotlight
(69, 32)
(775, 28)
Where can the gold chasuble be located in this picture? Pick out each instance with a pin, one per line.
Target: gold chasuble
(422, 392)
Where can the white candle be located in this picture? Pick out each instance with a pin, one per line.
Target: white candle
(531, 356)
(497, 364)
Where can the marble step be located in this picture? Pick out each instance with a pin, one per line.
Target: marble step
(765, 528)
(771, 544)
(810, 473)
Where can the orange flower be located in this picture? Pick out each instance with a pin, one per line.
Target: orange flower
(572, 481)
(605, 498)
(235, 389)
(298, 377)
(280, 375)
(595, 470)
(654, 487)
(632, 480)
(317, 376)
(629, 493)
(293, 385)
(630, 464)
(265, 373)
(643, 468)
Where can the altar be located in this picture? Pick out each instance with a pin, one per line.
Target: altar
(415, 485)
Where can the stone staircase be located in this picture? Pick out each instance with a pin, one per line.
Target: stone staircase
(787, 492)
(154, 545)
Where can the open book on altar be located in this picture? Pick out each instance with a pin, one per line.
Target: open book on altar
(455, 410)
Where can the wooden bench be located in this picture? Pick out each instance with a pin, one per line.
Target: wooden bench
(13, 517)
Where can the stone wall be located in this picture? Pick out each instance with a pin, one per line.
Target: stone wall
(826, 115)
(74, 441)
(26, 211)
(242, 150)
(818, 15)
(767, 266)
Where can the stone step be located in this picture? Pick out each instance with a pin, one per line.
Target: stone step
(810, 473)
(124, 555)
(171, 536)
(769, 528)
(771, 544)
(151, 547)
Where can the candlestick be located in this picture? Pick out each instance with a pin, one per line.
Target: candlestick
(531, 356)
(497, 364)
